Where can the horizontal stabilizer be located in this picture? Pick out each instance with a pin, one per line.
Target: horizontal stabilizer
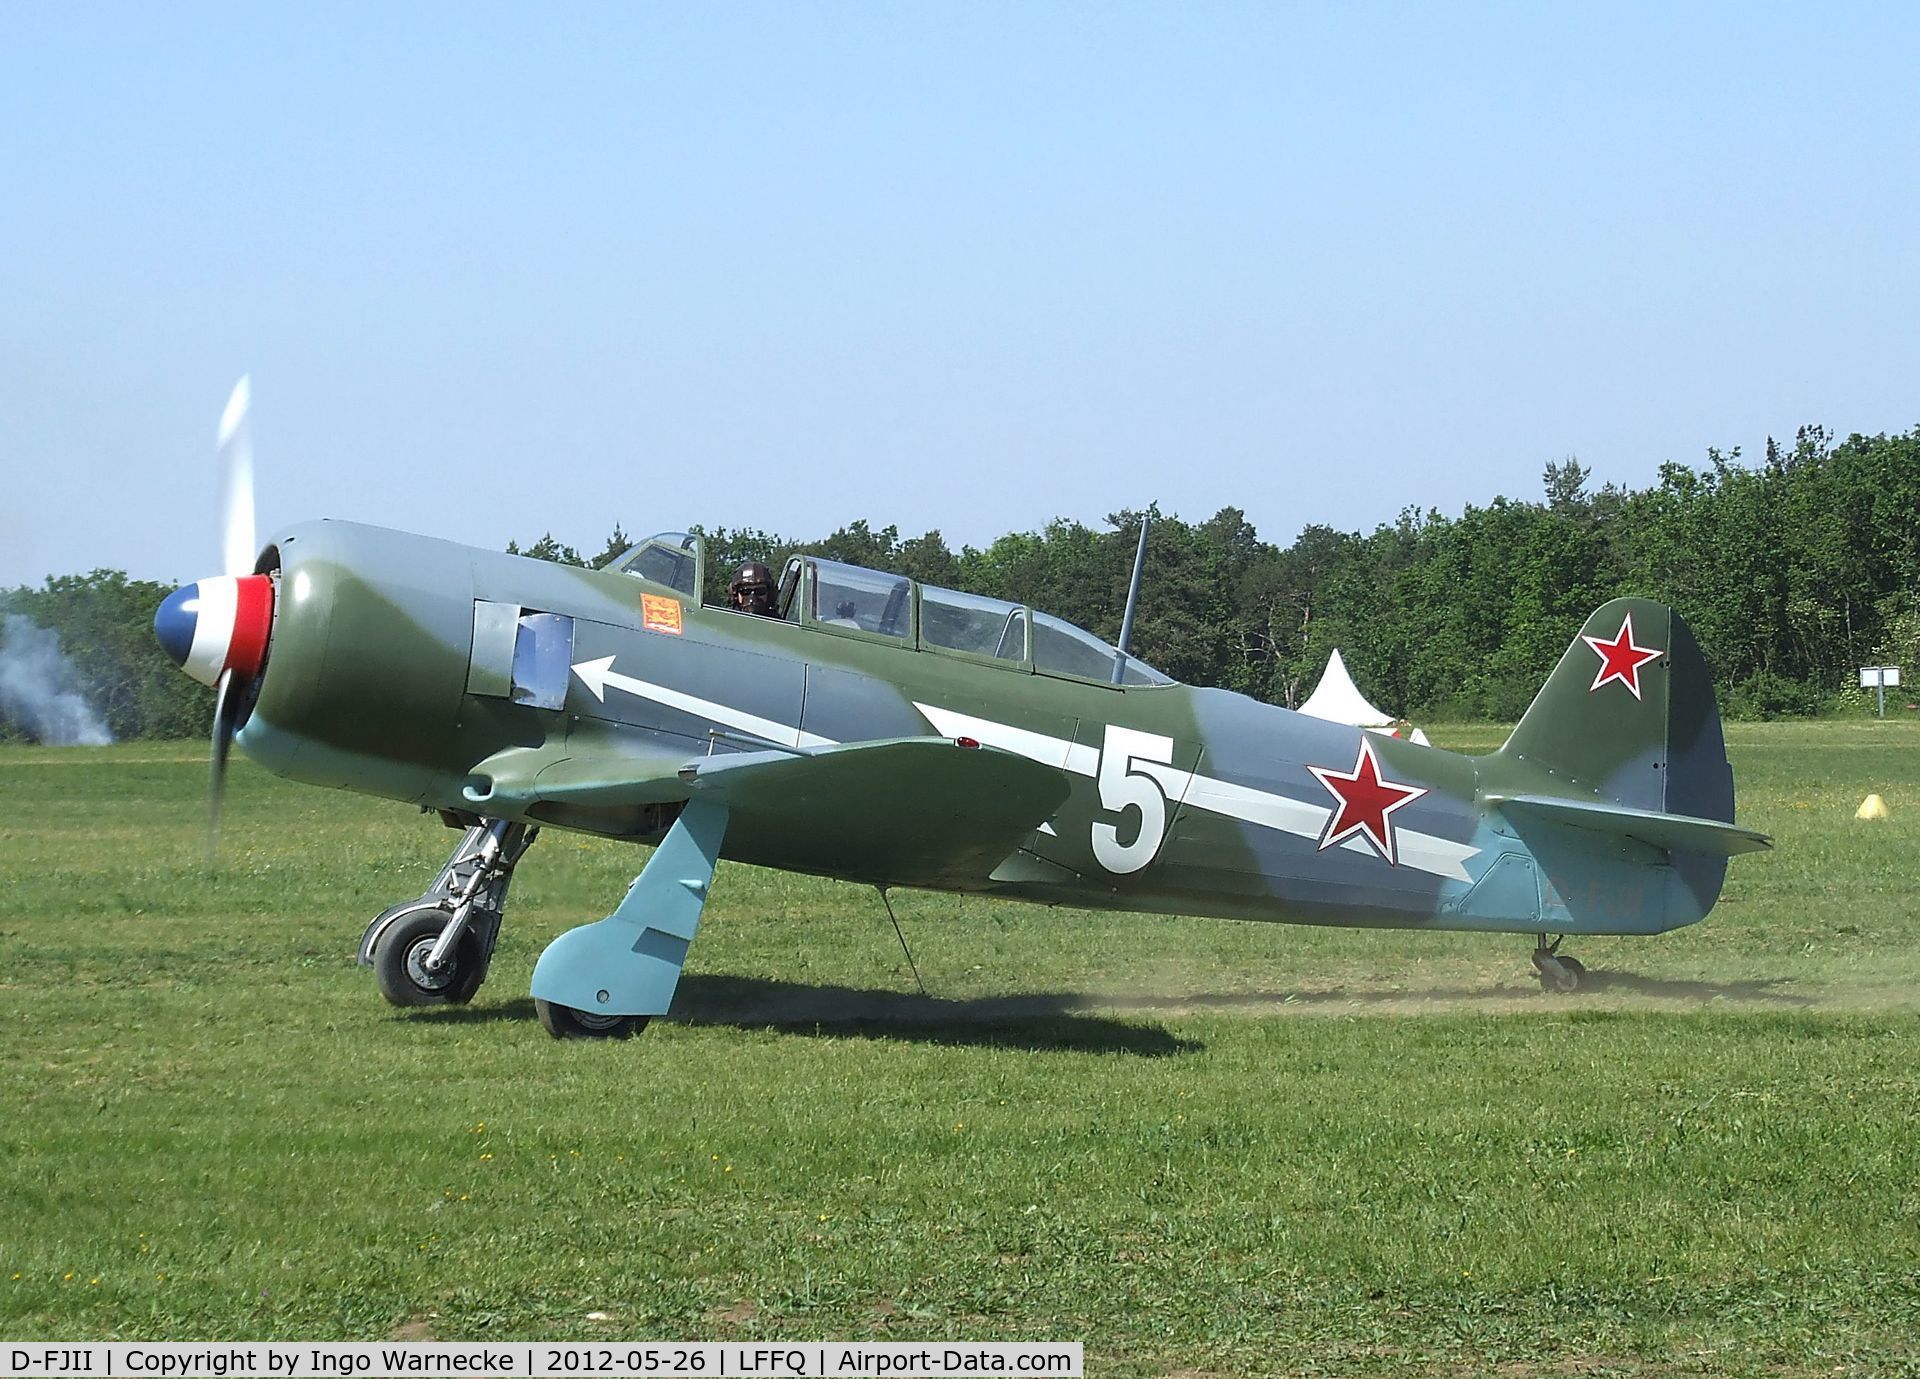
(1672, 832)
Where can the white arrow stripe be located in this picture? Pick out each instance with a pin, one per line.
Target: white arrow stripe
(1048, 751)
(1435, 856)
(597, 675)
(1420, 851)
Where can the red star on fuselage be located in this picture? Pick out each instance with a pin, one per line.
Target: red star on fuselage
(1366, 800)
(1620, 659)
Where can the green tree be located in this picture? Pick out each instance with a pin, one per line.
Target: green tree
(105, 624)
(546, 548)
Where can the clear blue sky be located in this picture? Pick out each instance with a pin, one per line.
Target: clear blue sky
(503, 269)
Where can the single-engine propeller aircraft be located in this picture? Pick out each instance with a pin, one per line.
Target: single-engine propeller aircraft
(886, 732)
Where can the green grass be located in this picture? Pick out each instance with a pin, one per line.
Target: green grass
(1197, 1146)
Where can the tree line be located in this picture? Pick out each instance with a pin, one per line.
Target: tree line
(1793, 570)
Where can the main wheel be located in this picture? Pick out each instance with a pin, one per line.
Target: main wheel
(400, 962)
(564, 1022)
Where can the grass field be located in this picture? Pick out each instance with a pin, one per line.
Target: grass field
(1199, 1147)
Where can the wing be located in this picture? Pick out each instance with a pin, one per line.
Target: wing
(910, 811)
(616, 784)
(906, 811)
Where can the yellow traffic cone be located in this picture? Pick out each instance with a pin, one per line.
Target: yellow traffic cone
(1872, 807)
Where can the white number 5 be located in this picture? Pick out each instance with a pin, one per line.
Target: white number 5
(1122, 788)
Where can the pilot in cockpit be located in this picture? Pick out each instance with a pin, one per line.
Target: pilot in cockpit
(751, 590)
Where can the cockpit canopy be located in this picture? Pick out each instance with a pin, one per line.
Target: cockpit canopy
(676, 559)
(874, 605)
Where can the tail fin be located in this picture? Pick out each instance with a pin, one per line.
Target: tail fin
(1619, 753)
(1627, 718)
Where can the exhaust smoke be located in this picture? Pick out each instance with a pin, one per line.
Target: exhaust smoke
(40, 689)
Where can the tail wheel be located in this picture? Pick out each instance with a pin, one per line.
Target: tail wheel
(400, 962)
(1559, 975)
(564, 1022)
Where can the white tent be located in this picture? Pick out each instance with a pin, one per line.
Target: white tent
(1338, 700)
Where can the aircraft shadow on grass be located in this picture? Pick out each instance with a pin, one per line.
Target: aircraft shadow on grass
(1597, 980)
(1066, 1022)
(1057, 1022)
(1762, 989)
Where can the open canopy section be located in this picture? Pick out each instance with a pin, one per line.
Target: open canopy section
(849, 599)
(1338, 700)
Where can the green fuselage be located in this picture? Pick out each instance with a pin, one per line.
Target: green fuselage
(424, 671)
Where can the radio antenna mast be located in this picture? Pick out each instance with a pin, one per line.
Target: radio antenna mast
(1133, 599)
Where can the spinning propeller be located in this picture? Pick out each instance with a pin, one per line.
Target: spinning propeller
(216, 629)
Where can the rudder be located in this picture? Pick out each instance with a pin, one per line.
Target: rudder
(1616, 780)
(1628, 716)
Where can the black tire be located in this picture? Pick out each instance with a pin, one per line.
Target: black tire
(564, 1022)
(399, 962)
(1561, 976)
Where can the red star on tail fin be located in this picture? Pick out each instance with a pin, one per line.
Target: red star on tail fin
(1620, 659)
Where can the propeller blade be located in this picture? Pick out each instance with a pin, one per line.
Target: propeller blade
(225, 707)
(237, 544)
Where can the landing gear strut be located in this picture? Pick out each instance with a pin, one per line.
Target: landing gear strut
(1557, 974)
(435, 950)
(607, 979)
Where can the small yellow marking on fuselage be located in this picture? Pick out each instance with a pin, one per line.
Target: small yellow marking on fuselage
(661, 614)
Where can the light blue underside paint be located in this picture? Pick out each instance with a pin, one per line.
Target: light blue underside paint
(629, 963)
(1569, 881)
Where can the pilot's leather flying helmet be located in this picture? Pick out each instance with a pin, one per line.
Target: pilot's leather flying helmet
(752, 587)
(751, 575)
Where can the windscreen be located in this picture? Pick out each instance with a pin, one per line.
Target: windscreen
(671, 558)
